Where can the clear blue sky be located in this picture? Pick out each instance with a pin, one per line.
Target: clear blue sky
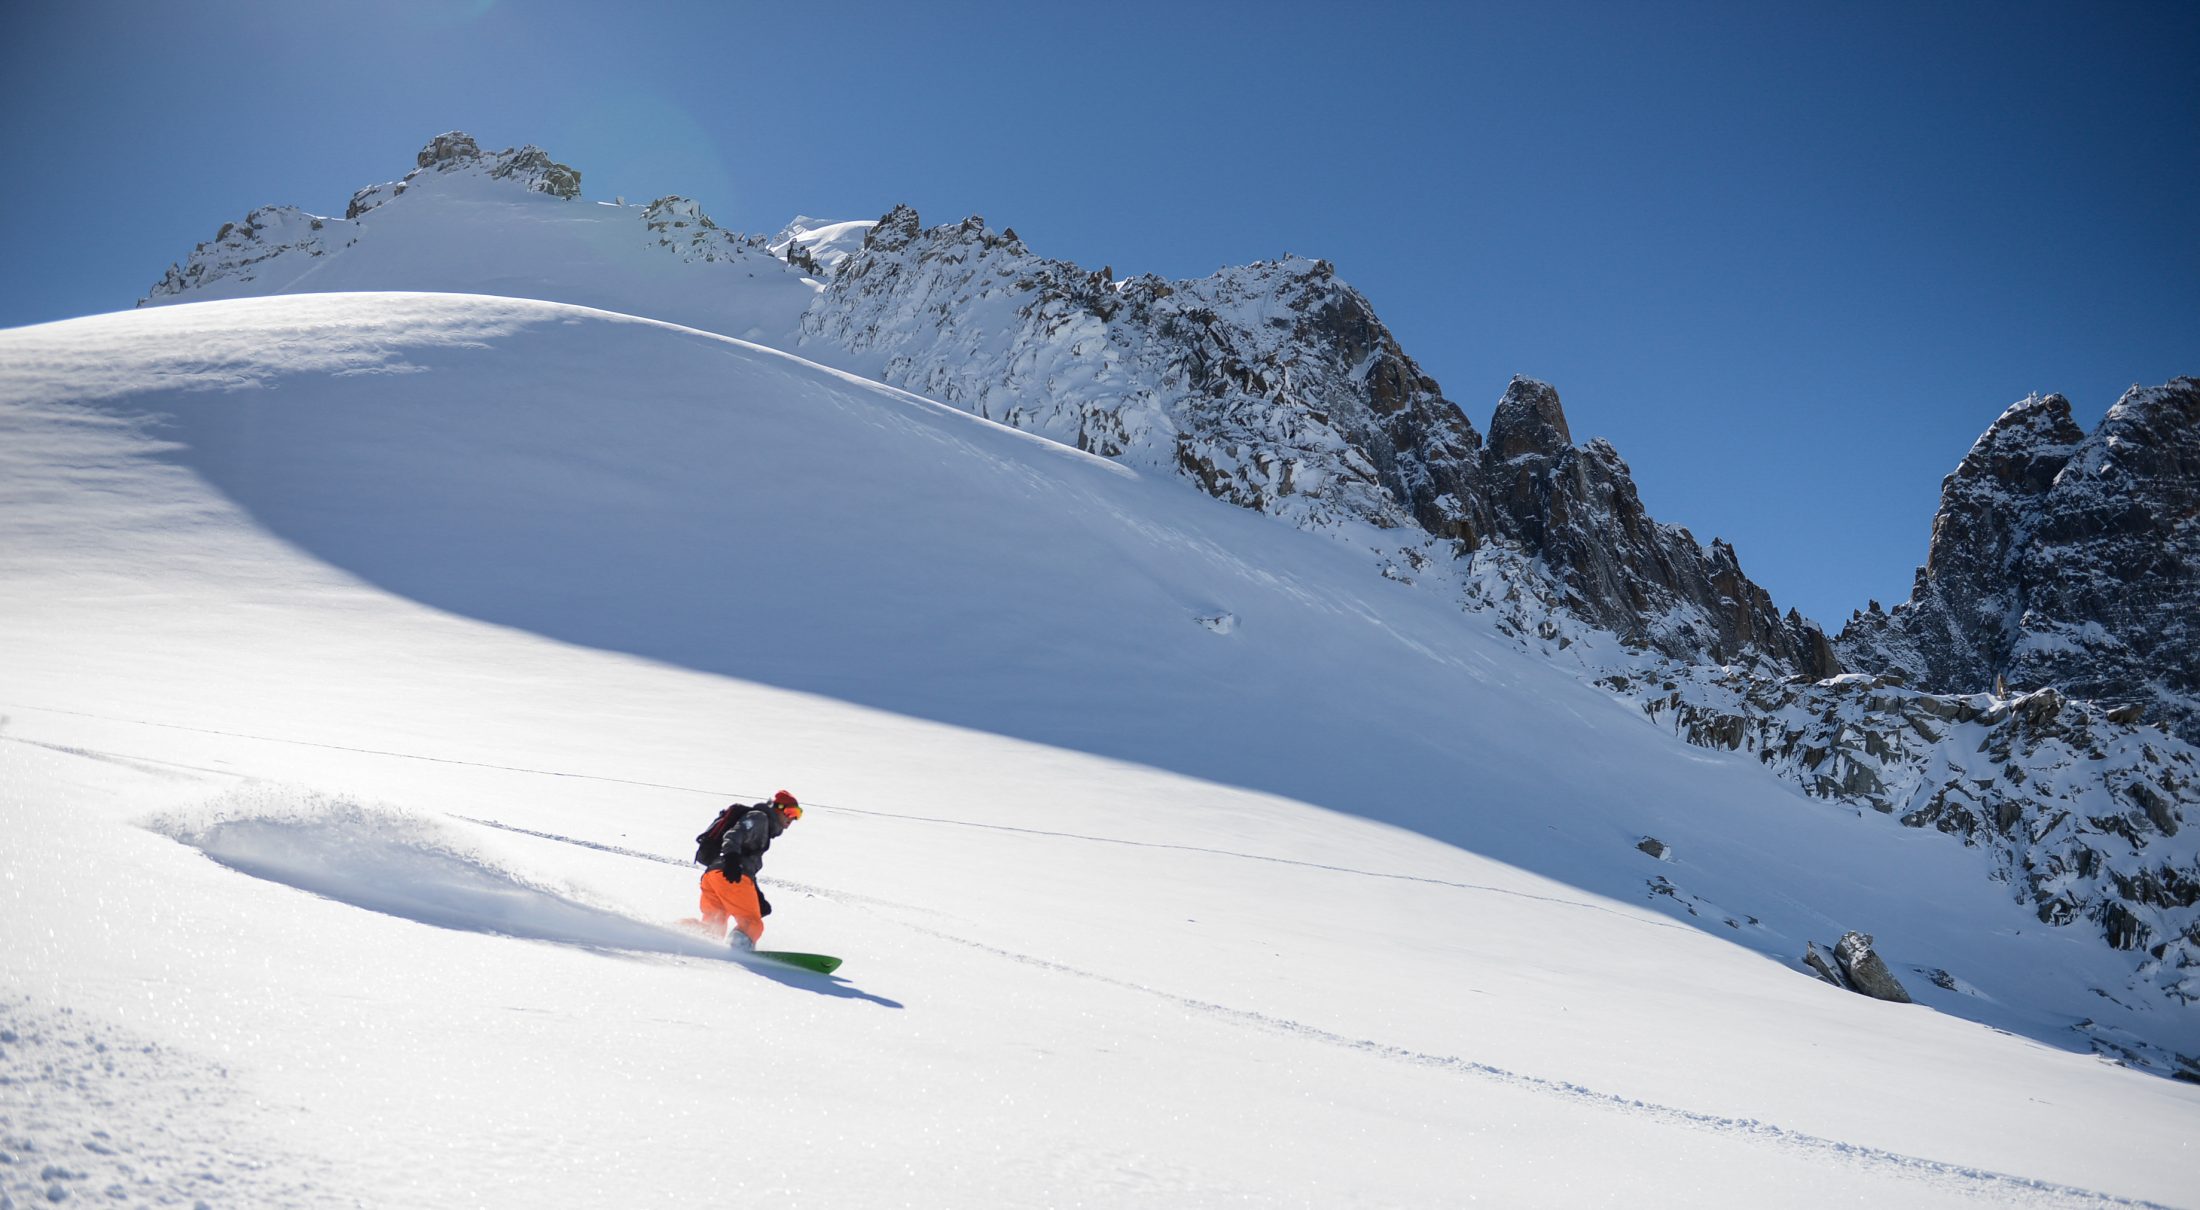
(1791, 259)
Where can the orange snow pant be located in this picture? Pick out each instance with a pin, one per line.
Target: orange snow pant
(736, 899)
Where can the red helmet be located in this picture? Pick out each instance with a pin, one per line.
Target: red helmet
(787, 805)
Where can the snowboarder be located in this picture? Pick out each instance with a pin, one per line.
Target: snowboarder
(733, 847)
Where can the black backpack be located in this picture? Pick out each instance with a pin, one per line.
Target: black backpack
(714, 836)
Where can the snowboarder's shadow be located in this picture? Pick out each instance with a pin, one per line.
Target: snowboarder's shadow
(823, 985)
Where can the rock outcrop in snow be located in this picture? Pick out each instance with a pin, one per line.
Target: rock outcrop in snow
(2065, 559)
(240, 251)
(1855, 966)
(1867, 972)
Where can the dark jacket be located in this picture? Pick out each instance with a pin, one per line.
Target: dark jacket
(749, 833)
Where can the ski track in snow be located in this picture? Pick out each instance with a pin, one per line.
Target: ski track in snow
(2002, 1187)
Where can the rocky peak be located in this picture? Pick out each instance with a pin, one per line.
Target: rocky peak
(2062, 559)
(895, 230)
(282, 248)
(1985, 500)
(238, 251)
(2025, 447)
(449, 149)
(456, 152)
(1529, 420)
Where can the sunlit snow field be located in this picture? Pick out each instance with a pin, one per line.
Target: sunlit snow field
(369, 661)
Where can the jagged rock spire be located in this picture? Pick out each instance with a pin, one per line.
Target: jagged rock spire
(1529, 420)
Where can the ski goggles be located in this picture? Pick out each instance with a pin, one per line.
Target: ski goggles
(791, 812)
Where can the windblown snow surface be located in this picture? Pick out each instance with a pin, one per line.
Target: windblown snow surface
(369, 660)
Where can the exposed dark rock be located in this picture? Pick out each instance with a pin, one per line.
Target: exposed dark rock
(450, 148)
(1824, 967)
(1653, 846)
(1529, 420)
(534, 168)
(895, 230)
(1867, 974)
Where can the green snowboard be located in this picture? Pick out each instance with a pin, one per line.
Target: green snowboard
(823, 964)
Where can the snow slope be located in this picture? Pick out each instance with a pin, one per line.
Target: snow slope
(369, 661)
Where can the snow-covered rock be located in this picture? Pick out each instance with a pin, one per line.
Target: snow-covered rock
(240, 252)
(1867, 972)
